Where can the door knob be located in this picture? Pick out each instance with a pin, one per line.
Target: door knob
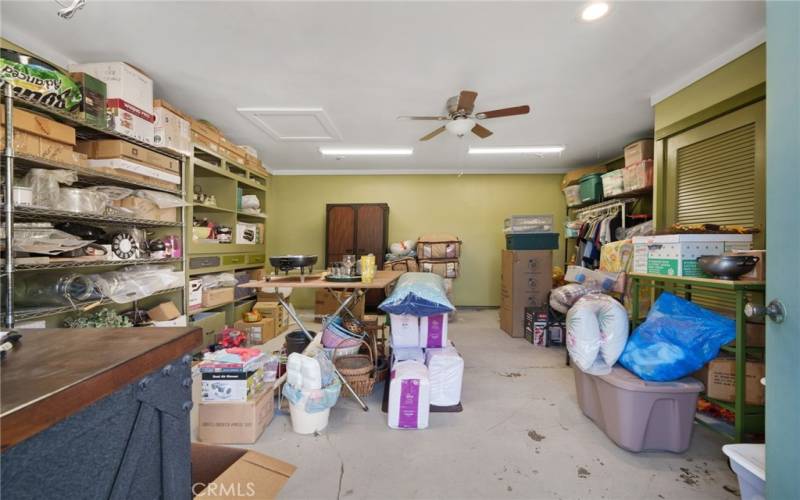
(774, 311)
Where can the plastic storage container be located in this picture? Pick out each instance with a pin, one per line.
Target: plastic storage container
(638, 176)
(639, 415)
(748, 461)
(591, 188)
(573, 195)
(529, 224)
(532, 241)
(613, 183)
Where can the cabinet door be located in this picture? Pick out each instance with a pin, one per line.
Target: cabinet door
(371, 231)
(715, 172)
(341, 227)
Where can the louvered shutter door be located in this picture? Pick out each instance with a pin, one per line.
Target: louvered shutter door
(716, 179)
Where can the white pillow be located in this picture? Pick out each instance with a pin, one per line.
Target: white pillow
(597, 331)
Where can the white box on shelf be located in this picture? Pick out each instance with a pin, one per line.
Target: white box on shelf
(433, 330)
(137, 168)
(246, 233)
(130, 120)
(195, 293)
(123, 81)
(172, 131)
(405, 330)
(179, 321)
(676, 254)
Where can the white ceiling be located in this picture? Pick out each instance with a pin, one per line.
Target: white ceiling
(364, 63)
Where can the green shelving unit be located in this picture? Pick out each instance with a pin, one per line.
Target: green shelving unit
(732, 296)
(225, 180)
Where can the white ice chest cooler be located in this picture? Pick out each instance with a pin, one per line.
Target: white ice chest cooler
(748, 461)
(639, 415)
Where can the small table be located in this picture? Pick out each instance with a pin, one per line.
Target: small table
(381, 280)
(729, 294)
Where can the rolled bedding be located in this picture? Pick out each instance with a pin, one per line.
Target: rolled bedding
(418, 294)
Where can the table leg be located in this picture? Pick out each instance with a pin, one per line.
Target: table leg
(300, 324)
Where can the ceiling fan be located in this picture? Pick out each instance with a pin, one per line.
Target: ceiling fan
(461, 120)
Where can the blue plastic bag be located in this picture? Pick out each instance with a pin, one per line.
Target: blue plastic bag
(418, 294)
(677, 339)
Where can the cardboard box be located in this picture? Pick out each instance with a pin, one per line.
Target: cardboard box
(172, 131)
(719, 377)
(247, 233)
(92, 109)
(138, 171)
(28, 144)
(232, 152)
(639, 151)
(205, 133)
(166, 311)
(116, 148)
(759, 273)
(217, 296)
(204, 142)
(195, 293)
(235, 423)
(129, 120)
(274, 311)
(525, 281)
(220, 472)
(146, 209)
(39, 126)
(676, 254)
(326, 303)
(258, 332)
(179, 321)
(212, 324)
(230, 386)
(123, 82)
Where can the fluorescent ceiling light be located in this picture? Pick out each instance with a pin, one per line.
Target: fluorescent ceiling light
(516, 150)
(594, 11)
(366, 151)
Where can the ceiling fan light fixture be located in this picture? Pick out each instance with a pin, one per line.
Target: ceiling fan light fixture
(460, 126)
(366, 151)
(594, 11)
(516, 150)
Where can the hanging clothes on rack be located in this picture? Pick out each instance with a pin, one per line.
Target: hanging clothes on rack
(597, 229)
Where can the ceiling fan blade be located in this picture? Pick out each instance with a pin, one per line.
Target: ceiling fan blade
(466, 100)
(437, 118)
(481, 131)
(497, 113)
(433, 134)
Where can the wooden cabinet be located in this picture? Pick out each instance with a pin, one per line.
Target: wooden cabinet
(358, 229)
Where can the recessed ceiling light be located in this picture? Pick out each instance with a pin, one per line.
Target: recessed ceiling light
(594, 11)
(366, 151)
(516, 150)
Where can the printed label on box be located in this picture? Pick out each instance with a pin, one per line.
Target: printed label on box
(409, 404)
(667, 267)
(435, 330)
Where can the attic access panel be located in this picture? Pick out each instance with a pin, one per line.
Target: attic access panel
(293, 124)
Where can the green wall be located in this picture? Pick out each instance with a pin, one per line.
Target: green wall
(472, 207)
(728, 81)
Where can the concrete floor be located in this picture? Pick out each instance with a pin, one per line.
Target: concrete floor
(521, 435)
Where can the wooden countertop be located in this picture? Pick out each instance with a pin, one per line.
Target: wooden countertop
(55, 372)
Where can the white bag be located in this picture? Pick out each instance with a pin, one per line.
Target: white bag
(446, 374)
(597, 331)
(409, 396)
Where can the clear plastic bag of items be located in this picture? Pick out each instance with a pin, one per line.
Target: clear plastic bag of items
(45, 187)
(134, 283)
(219, 280)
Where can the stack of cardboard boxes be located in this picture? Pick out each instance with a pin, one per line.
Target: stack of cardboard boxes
(40, 137)
(209, 137)
(526, 280)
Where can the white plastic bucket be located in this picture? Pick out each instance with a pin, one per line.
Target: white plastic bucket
(307, 423)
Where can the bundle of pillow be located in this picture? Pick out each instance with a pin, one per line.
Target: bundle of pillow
(597, 331)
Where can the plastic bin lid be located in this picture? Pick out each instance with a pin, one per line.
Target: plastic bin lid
(750, 456)
(622, 378)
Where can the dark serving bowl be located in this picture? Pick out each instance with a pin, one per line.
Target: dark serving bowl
(727, 267)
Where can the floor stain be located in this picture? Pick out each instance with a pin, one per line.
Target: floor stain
(731, 490)
(535, 435)
(660, 495)
(583, 473)
(510, 488)
(348, 493)
(510, 374)
(688, 476)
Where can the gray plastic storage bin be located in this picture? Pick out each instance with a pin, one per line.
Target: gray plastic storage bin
(639, 415)
(748, 461)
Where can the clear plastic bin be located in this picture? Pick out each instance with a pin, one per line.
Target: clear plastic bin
(529, 224)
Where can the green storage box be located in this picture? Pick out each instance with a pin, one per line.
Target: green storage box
(591, 188)
(532, 241)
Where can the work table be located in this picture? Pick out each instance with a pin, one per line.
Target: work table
(54, 373)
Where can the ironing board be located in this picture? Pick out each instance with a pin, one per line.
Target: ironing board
(381, 280)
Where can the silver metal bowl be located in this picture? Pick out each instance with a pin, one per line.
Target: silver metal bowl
(727, 267)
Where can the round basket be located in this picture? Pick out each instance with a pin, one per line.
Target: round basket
(358, 370)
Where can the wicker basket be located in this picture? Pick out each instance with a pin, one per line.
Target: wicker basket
(358, 370)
